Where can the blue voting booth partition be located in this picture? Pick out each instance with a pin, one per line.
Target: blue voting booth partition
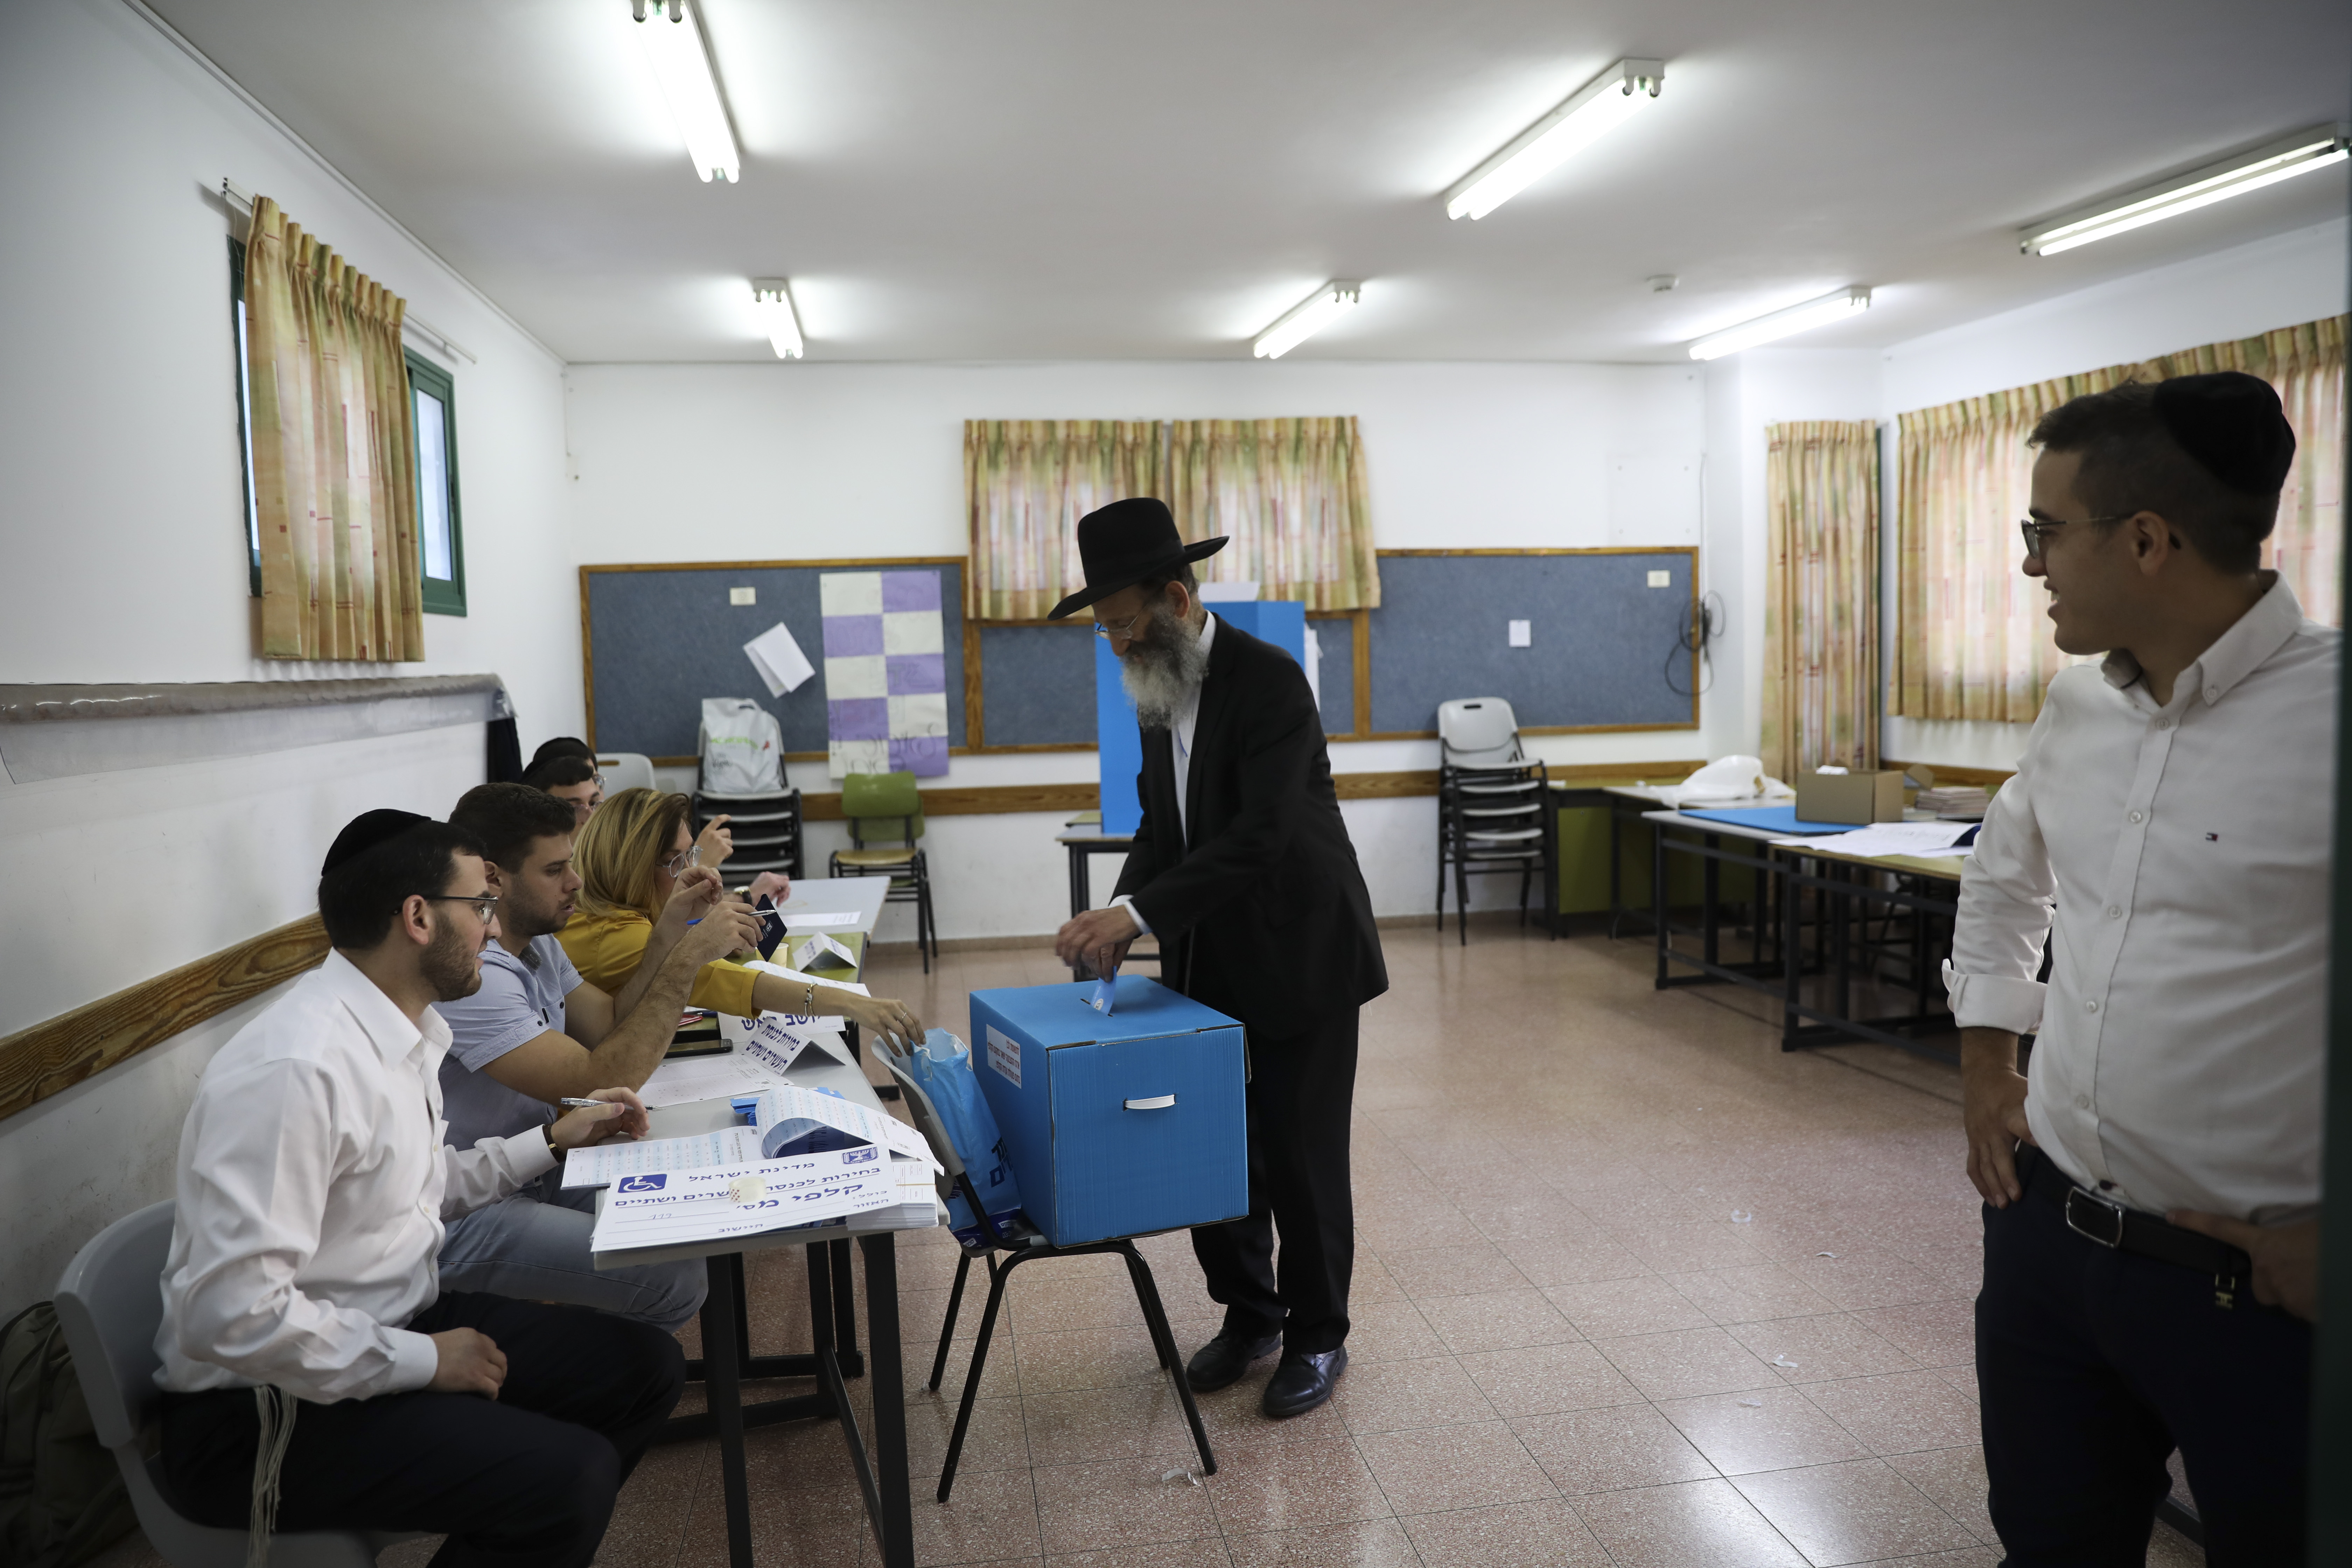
(1116, 1126)
(1281, 622)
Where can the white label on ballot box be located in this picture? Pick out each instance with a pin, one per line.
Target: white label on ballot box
(1004, 1055)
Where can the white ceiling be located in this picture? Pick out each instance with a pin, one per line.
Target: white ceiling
(1105, 179)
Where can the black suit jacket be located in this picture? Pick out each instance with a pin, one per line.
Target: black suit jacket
(1264, 915)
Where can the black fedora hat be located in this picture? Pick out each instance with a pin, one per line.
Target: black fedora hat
(1125, 543)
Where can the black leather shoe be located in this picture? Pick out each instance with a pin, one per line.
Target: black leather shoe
(1220, 1362)
(1303, 1382)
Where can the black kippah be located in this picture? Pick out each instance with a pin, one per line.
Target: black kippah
(365, 832)
(2231, 423)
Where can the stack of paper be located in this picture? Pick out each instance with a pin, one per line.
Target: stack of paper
(689, 1079)
(784, 1115)
(673, 1208)
(1927, 839)
(778, 660)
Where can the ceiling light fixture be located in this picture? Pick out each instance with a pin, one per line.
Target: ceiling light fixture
(773, 298)
(1796, 319)
(2283, 159)
(1602, 104)
(1307, 318)
(674, 47)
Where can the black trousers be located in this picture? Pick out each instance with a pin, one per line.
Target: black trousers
(2094, 1365)
(526, 1480)
(1302, 1092)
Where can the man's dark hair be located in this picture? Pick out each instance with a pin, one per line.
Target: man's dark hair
(562, 746)
(359, 899)
(563, 769)
(2131, 463)
(506, 817)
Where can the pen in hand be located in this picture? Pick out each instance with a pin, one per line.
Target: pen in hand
(570, 1104)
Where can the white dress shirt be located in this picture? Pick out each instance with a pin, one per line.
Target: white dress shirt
(312, 1188)
(2181, 1038)
(1180, 753)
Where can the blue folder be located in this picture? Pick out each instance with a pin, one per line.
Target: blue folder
(1773, 819)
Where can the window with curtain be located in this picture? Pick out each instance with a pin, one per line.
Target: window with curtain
(1290, 493)
(1820, 610)
(1971, 640)
(333, 487)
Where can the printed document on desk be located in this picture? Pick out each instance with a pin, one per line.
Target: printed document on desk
(1922, 838)
(674, 1208)
(773, 1043)
(689, 1079)
(785, 1120)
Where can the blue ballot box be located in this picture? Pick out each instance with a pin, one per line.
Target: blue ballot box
(1121, 1125)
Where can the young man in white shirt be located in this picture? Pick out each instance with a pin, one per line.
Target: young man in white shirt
(314, 1375)
(536, 1032)
(2152, 1193)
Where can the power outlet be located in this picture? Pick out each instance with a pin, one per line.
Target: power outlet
(1662, 579)
(751, 595)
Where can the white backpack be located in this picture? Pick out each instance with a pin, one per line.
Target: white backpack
(742, 747)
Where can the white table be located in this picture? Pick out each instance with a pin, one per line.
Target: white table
(726, 1348)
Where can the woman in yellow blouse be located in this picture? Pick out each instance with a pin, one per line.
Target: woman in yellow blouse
(631, 856)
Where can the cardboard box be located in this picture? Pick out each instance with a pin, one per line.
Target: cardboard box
(1859, 798)
(1118, 1125)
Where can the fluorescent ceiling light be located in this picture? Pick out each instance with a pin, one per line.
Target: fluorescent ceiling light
(673, 44)
(1796, 319)
(1307, 318)
(1602, 104)
(773, 298)
(2283, 159)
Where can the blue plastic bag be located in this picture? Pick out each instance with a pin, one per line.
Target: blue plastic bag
(942, 1066)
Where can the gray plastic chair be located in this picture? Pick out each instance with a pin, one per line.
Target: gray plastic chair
(109, 1304)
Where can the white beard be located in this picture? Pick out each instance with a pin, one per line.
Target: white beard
(1162, 674)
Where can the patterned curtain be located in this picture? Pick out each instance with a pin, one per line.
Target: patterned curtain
(1027, 482)
(1971, 640)
(333, 456)
(1290, 493)
(1820, 608)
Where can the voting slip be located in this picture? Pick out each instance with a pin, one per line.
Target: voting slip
(787, 1122)
(689, 1079)
(777, 658)
(666, 1208)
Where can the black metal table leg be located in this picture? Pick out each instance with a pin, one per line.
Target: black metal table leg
(1658, 894)
(1793, 955)
(896, 1523)
(718, 1342)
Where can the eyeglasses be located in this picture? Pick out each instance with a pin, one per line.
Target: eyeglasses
(2036, 532)
(486, 905)
(1125, 631)
(689, 855)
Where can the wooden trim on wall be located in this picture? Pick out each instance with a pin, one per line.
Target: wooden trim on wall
(974, 800)
(36, 1063)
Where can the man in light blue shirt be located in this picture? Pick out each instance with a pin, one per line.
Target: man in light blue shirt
(536, 1032)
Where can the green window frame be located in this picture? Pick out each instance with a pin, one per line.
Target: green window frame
(243, 413)
(440, 530)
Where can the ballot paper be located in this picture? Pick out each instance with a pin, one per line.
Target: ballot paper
(607, 1164)
(778, 660)
(1924, 838)
(690, 1078)
(802, 922)
(750, 1197)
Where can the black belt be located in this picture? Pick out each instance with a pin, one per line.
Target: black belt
(2112, 1225)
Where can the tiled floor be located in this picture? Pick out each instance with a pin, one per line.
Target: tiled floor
(1633, 1287)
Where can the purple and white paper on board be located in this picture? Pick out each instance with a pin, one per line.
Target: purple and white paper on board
(885, 673)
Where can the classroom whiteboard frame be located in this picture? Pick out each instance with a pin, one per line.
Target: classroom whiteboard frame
(1363, 688)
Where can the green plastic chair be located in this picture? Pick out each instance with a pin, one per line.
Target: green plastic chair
(881, 807)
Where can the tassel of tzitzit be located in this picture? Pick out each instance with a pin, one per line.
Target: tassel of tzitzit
(276, 1407)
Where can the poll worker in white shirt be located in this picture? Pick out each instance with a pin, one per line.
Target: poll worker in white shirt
(2152, 1188)
(535, 1032)
(315, 1376)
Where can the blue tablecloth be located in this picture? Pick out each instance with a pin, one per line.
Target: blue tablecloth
(1772, 819)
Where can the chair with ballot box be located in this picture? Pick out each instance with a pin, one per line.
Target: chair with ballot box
(884, 808)
(1117, 1125)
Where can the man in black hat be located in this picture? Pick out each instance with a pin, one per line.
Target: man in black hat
(315, 1375)
(2152, 1192)
(1243, 869)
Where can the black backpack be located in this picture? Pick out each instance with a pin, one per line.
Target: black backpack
(61, 1496)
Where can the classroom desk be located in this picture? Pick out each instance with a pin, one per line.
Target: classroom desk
(1842, 887)
(1084, 846)
(725, 1354)
(1630, 802)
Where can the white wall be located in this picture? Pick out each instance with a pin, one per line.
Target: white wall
(2237, 293)
(122, 542)
(766, 462)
